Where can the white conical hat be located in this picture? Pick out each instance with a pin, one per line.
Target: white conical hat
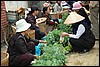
(73, 18)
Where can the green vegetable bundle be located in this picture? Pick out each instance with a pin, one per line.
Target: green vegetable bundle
(53, 55)
(64, 16)
(53, 37)
(65, 28)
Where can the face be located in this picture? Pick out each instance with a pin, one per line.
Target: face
(36, 12)
(48, 10)
(59, 2)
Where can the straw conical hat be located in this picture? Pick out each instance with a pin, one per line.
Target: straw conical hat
(73, 18)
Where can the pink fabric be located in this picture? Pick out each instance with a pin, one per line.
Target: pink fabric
(76, 6)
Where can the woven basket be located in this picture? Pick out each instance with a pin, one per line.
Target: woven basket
(4, 58)
(42, 27)
(54, 15)
(32, 34)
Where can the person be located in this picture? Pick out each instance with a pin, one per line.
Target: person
(71, 3)
(94, 17)
(46, 4)
(21, 47)
(50, 22)
(80, 10)
(58, 9)
(85, 4)
(82, 39)
(86, 10)
(31, 18)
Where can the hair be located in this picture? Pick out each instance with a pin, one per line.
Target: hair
(45, 9)
(58, 3)
(33, 8)
(83, 13)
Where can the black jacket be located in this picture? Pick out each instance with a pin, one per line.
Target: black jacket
(32, 20)
(18, 45)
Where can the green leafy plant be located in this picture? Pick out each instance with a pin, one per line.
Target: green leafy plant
(53, 37)
(53, 55)
(65, 28)
(64, 16)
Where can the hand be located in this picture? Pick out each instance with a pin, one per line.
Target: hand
(37, 25)
(42, 41)
(56, 22)
(35, 56)
(88, 14)
(64, 34)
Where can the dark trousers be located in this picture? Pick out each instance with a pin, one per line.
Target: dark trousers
(79, 45)
(39, 34)
(24, 59)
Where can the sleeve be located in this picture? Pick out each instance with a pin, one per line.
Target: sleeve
(49, 20)
(35, 41)
(30, 19)
(80, 31)
(20, 46)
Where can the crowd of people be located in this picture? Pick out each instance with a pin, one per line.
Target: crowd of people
(21, 47)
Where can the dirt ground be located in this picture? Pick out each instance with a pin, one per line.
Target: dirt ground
(90, 58)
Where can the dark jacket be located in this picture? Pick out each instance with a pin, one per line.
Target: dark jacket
(86, 40)
(18, 45)
(48, 21)
(32, 20)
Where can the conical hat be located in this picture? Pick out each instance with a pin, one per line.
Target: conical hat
(73, 18)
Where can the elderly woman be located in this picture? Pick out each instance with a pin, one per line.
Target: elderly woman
(80, 10)
(21, 48)
(82, 38)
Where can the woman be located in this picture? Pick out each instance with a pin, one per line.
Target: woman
(86, 4)
(82, 39)
(31, 18)
(80, 10)
(51, 23)
(21, 48)
(58, 9)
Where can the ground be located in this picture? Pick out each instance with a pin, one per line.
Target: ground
(90, 58)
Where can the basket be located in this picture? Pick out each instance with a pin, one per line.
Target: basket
(4, 58)
(42, 27)
(12, 16)
(54, 15)
(32, 34)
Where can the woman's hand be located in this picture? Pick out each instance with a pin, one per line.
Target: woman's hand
(56, 22)
(64, 34)
(37, 24)
(35, 56)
